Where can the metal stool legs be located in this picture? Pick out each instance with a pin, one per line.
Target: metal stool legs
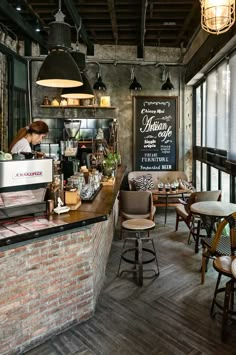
(138, 260)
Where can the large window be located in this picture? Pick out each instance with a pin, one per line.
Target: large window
(18, 99)
(215, 128)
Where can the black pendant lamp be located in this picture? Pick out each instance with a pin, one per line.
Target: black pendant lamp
(168, 84)
(135, 85)
(59, 69)
(99, 84)
(80, 92)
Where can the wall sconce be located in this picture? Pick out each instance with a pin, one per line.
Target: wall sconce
(217, 16)
(135, 85)
(59, 68)
(99, 84)
(167, 84)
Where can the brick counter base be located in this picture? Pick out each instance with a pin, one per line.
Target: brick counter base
(51, 283)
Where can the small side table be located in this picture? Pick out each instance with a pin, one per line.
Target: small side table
(138, 227)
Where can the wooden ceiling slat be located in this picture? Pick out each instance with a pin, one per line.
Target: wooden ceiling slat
(116, 17)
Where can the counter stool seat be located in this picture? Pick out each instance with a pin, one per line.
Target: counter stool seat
(140, 229)
(223, 265)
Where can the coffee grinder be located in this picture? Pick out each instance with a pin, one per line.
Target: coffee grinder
(69, 147)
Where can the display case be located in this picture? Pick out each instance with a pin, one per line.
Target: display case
(23, 185)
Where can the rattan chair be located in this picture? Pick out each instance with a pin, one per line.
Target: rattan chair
(222, 243)
(193, 222)
(226, 304)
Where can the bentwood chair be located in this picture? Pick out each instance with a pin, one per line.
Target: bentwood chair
(224, 265)
(193, 222)
(136, 205)
(223, 243)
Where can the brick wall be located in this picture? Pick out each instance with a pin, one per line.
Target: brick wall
(47, 285)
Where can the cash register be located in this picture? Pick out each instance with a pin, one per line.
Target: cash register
(23, 185)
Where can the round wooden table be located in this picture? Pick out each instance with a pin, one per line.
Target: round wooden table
(211, 211)
(213, 208)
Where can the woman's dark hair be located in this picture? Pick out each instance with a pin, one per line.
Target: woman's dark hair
(37, 127)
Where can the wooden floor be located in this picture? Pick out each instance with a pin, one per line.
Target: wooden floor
(168, 315)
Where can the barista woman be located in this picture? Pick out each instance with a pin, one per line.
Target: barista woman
(27, 136)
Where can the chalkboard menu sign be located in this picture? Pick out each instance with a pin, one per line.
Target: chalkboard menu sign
(155, 126)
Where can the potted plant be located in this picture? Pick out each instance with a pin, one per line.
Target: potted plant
(110, 164)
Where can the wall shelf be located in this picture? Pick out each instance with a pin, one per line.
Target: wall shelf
(80, 107)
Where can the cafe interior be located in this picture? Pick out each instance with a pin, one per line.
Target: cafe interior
(138, 167)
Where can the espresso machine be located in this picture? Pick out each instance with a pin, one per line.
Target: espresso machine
(23, 185)
(69, 147)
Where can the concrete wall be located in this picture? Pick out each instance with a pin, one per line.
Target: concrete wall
(116, 66)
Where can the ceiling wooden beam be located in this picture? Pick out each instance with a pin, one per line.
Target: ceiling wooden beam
(206, 52)
(71, 8)
(31, 10)
(112, 11)
(15, 17)
(140, 53)
(193, 13)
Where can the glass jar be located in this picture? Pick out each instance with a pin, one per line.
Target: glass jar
(46, 101)
(55, 102)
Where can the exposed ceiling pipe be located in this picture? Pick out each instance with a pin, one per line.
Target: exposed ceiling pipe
(116, 62)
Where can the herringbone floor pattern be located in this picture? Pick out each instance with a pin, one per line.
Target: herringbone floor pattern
(169, 315)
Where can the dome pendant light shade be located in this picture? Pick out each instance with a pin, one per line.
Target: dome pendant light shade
(99, 85)
(167, 85)
(59, 70)
(80, 92)
(79, 58)
(135, 85)
(217, 16)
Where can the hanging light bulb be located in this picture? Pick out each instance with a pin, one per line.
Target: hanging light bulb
(217, 16)
(135, 85)
(99, 84)
(59, 68)
(18, 6)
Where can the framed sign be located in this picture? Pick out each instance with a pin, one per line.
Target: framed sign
(155, 125)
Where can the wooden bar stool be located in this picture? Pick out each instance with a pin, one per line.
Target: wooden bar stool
(140, 255)
(223, 265)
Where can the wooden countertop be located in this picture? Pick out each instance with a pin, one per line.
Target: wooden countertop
(89, 212)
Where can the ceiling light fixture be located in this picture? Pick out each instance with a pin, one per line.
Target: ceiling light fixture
(37, 26)
(167, 84)
(18, 6)
(59, 68)
(80, 92)
(99, 84)
(217, 16)
(135, 85)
